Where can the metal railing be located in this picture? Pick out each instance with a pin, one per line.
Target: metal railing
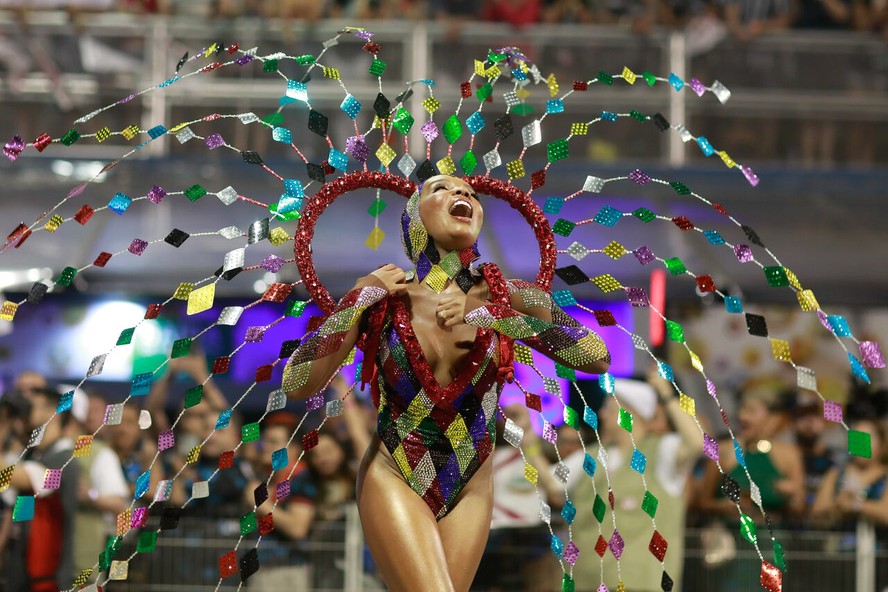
(806, 92)
(334, 557)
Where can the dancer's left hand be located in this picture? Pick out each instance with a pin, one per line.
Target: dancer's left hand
(451, 311)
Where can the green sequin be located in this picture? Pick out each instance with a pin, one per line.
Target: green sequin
(644, 214)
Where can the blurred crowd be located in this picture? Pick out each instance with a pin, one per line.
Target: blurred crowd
(784, 441)
(744, 19)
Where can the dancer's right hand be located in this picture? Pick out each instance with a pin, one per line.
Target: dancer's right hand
(390, 277)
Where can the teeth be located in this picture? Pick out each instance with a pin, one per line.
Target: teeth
(461, 202)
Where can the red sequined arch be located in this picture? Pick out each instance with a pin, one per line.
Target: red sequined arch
(405, 187)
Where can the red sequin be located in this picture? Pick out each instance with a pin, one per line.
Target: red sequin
(277, 292)
(221, 365)
(226, 459)
(720, 209)
(658, 546)
(580, 86)
(605, 318)
(17, 232)
(42, 141)
(263, 373)
(266, 524)
(372, 47)
(601, 546)
(310, 440)
(228, 564)
(772, 577)
(683, 223)
(465, 90)
(152, 311)
(102, 259)
(83, 214)
(538, 179)
(233, 48)
(705, 283)
(533, 402)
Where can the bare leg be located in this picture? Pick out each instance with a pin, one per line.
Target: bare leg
(399, 527)
(465, 529)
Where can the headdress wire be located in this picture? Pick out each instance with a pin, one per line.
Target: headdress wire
(370, 156)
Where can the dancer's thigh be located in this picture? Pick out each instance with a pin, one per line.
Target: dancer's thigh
(399, 528)
(464, 530)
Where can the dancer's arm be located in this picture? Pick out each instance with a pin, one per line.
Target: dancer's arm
(322, 352)
(534, 318)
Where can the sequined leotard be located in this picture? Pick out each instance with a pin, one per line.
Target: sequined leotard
(439, 435)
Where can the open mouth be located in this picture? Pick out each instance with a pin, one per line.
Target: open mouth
(461, 209)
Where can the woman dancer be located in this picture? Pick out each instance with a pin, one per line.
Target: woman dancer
(437, 345)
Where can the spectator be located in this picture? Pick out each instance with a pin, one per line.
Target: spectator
(671, 455)
(822, 14)
(134, 448)
(42, 548)
(566, 11)
(95, 414)
(747, 19)
(811, 436)
(517, 552)
(282, 556)
(775, 467)
(859, 489)
(103, 492)
(191, 367)
(28, 382)
(324, 491)
(15, 411)
(518, 13)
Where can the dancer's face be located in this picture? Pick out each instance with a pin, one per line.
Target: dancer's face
(450, 212)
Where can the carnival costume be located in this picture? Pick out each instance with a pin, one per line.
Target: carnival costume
(438, 434)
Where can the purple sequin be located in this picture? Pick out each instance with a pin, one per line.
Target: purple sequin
(255, 333)
(697, 87)
(14, 147)
(616, 544)
(743, 253)
(214, 141)
(640, 177)
(644, 255)
(156, 194)
(282, 491)
(710, 447)
(710, 388)
(272, 263)
(571, 553)
(429, 131)
(602, 588)
(637, 297)
(824, 320)
(872, 354)
(138, 246)
(244, 60)
(314, 402)
(364, 34)
(832, 411)
(52, 479)
(126, 99)
(166, 440)
(549, 432)
(357, 147)
(750, 175)
(140, 517)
